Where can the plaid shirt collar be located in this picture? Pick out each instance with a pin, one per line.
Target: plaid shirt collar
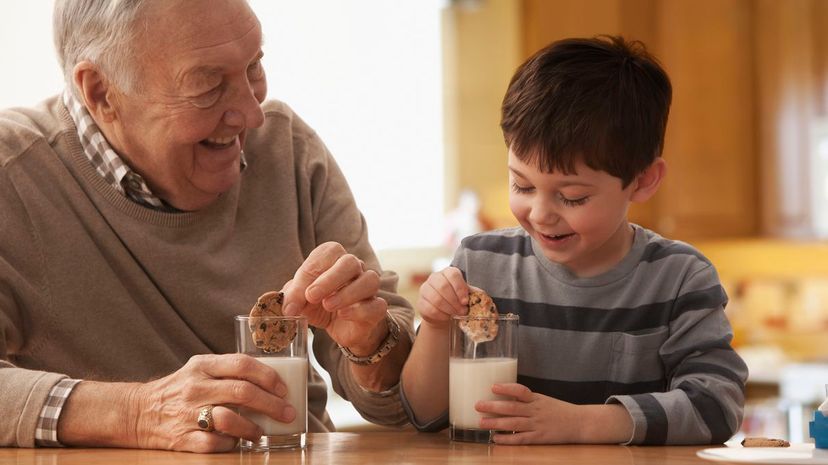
(109, 164)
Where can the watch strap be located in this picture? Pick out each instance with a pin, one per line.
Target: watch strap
(384, 348)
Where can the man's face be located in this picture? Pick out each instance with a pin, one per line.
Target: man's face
(200, 87)
(579, 220)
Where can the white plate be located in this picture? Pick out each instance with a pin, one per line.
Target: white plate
(796, 454)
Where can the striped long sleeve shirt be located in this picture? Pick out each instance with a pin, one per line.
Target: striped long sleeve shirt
(650, 334)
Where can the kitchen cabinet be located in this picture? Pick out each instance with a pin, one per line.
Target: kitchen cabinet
(706, 48)
(750, 78)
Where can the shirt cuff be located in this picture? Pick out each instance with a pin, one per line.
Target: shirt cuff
(47, 422)
(438, 424)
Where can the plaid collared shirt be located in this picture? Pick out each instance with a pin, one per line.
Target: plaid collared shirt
(108, 163)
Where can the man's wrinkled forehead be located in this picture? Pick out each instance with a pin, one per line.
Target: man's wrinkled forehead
(199, 23)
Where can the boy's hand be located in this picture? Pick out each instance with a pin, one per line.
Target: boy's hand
(535, 418)
(539, 419)
(445, 293)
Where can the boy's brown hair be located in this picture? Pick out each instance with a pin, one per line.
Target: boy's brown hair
(602, 100)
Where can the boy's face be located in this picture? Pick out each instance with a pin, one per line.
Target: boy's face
(579, 220)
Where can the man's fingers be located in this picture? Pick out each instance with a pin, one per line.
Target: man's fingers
(202, 442)
(364, 287)
(319, 260)
(369, 311)
(240, 393)
(341, 273)
(232, 424)
(242, 367)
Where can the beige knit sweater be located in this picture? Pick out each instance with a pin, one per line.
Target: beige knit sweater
(94, 286)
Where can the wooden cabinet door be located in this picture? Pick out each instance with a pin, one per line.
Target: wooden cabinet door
(710, 191)
(706, 46)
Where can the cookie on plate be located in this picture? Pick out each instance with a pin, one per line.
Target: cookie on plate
(765, 442)
(270, 335)
(482, 326)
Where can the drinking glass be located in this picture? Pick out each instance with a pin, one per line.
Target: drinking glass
(474, 367)
(291, 363)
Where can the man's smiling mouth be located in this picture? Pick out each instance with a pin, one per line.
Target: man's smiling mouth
(219, 143)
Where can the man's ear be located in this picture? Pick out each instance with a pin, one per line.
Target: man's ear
(646, 183)
(95, 90)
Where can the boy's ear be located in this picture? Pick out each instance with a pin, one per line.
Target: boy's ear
(646, 183)
(95, 91)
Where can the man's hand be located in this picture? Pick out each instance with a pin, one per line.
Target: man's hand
(540, 419)
(336, 293)
(162, 414)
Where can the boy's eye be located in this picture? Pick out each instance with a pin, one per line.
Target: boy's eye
(574, 202)
(520, 189)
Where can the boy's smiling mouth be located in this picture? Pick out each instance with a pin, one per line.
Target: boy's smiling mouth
(556, 237)
(555, 240)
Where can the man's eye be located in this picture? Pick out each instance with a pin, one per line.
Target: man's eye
(255, 70)
(208, 98)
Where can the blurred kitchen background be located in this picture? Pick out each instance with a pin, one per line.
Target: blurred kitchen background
(406, 93)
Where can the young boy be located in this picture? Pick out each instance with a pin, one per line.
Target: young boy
(623, 337)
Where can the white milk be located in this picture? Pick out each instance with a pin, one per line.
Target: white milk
(471, 380)
(294, 373)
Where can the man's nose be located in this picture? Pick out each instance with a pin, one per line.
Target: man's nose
(245, 110)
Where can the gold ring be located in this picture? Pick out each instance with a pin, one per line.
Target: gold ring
(205, 418)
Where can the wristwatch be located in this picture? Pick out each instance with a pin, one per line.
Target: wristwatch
(387, 344)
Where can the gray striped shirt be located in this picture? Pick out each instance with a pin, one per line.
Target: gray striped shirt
(650, 334)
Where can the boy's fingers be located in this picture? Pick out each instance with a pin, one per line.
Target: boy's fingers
(515, 439)
(518, 391)
(445, 289)
(506, 423)
(429, 306)
(461, 288)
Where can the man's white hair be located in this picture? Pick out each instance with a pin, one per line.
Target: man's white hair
(103, 32)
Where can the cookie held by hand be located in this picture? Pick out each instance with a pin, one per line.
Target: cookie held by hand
(482, 324)
(270, 335)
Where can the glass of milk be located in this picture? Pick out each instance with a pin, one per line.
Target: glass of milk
(473, 368)
(291, 363)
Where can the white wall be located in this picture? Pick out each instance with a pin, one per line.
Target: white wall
(366, 74)
(30, 69)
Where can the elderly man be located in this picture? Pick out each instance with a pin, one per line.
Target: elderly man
(142, 209)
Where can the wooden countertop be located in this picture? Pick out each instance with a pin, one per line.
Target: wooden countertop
(371, 448)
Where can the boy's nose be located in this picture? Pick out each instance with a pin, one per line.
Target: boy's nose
(543, 212)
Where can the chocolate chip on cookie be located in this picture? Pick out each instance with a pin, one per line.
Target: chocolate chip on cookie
(270, 335)
(482, 326)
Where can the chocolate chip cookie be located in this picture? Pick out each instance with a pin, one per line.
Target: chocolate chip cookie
(270, 335)
(482, 326)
